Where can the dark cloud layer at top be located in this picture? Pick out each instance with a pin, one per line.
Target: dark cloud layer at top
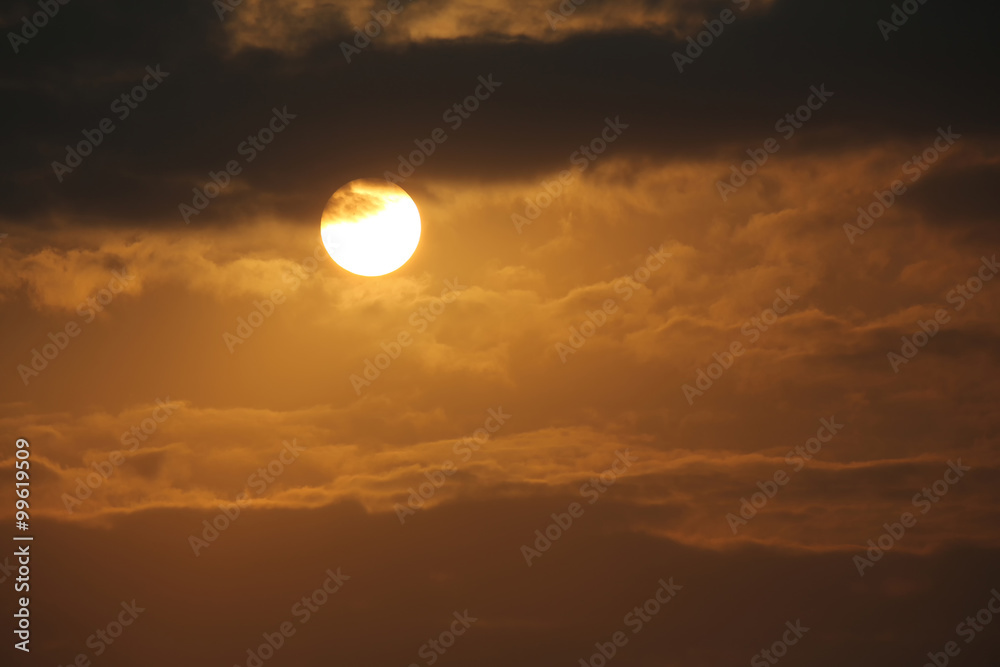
(354, 119)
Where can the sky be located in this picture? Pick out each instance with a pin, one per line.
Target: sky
(694, 364)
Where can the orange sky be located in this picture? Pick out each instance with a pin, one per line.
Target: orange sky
(734, 395)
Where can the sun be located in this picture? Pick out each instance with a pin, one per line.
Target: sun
(370, 227)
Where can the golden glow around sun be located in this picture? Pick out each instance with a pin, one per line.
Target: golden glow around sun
(370, 227)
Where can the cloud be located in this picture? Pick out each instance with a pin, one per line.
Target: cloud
(405, 584)
(523, 295)
(295, 25)
(355, 120)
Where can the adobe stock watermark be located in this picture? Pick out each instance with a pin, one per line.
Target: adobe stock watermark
(419, 320)
(303, 611)
(436, 647)
(901, 13)
(704, 39)
(959, 296)
(581, 158)
(122, 107)
(60, 339)
(225, 7)
(565, 9)
(923, 500)
(305, 268)
(7, 569)
(262, 310)
(595, 319)
(363, 36)
(103, 638)
(968, 629)
(245, 327)
(31, 25)
(779, 648)
(752, 329)
(915, 168)
(796, 458)
(465, 448)
(258, 482)
(103, 470)
(593, 489)
(248, 149)
(635, 620)
(787, 125)
(454, 116)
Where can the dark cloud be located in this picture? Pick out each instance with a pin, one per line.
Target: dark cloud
(353, 120)
(964, 197)
(406, 581)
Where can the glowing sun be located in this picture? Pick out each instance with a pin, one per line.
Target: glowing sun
(370, 227)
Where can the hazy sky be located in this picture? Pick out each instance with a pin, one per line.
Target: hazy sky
(704, 295)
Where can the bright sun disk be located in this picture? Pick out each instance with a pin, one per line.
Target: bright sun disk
(370, 227)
